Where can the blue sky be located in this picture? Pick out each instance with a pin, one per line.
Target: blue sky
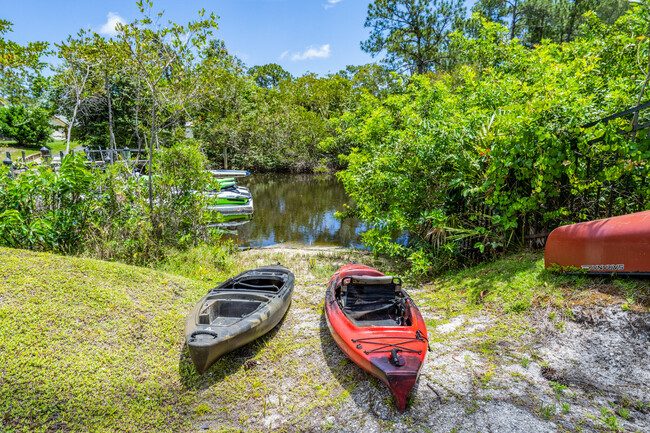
(302, 36)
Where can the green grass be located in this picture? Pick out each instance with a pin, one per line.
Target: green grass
(87, 345)
(211, 264)
(60, 145)
(517, 282)
(511, 289)
(94, 346)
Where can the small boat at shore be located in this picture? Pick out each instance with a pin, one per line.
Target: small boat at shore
(236, 312)
(618, 245)
(229, 173)
(230, 200)
(377, 325)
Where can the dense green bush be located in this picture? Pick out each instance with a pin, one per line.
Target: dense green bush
(107, 214)
(480, 158)
(25, 125)
(47, 211)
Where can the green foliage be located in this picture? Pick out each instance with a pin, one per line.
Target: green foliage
(47, 211)
(556, 20)
(20, 66)
(179, 205)
(269, 76)
(124, 228)
(25, 125)
(482, 157)
(609, 420)
(268, 129)
(106, 214)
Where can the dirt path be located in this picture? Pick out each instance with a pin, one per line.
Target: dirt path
(584, 369)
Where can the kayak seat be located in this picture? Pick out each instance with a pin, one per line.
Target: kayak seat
(377, 300)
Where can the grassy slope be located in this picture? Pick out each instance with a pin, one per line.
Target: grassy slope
(89, 345)
(94, 346)
(515, 289)
(518, 282)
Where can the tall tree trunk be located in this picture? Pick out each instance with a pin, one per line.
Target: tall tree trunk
(111, 132)
(78, 91)
(70, 123)
(151, 141)
(513, 23)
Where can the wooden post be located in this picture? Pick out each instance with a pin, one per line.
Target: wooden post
(225, 158)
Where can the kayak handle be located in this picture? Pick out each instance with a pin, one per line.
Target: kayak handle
(202, 332)
(394, 358)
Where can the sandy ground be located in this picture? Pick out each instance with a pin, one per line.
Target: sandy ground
(585, 370)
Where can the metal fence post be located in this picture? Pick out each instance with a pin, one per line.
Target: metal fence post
(45, 154)
(9, 164)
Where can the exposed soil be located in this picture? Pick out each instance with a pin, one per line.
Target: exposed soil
(582, 369)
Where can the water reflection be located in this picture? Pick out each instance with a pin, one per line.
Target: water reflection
(300, 209)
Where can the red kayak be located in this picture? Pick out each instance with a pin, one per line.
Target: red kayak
(377, 325)
(619, 244)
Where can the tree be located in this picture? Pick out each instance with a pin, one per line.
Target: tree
(161, 56)
(79, 57)
(20, 69)
(414, 33)
(25, 125)
(269, 76)
(376, 79)
(500, 11)
(557, 20)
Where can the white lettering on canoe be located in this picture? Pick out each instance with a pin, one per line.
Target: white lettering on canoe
(605, 268)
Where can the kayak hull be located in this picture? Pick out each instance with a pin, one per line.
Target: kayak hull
(618, 245)
(236, 312)
(392, 353)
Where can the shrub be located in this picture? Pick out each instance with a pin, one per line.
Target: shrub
(28, 126)
(471, 162)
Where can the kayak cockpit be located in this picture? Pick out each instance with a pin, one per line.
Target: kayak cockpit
(224, 309)
(373, 301)
(239, 298)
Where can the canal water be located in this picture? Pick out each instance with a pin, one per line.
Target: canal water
(298, 209)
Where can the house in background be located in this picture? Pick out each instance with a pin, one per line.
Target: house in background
(60, 125)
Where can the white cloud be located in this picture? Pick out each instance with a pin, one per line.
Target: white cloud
(313, 53)
(284, 54)
(331, 3)
(108, 28)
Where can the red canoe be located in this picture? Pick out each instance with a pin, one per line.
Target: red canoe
(377, 325)
(620, 244)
